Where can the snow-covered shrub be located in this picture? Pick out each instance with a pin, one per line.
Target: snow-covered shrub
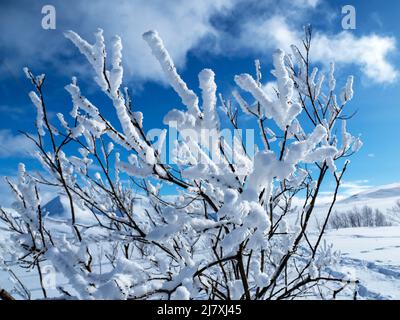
(359, 217)
(226, 231)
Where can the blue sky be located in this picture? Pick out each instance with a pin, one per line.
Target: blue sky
(224, 35)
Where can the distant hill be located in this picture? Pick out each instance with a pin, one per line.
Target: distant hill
(379, 194)
(55, 207)
(59, 208)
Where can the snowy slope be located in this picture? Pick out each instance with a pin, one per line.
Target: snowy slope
(385, 191)
(382, 197)
(55, 207)
(59, 208)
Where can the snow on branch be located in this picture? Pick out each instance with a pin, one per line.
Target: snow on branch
(189, 98)
(39, 112)
(95, 54)
(287, 109)
(218, 220)
(209, 97)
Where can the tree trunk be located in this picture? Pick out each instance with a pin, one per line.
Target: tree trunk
(4, 295)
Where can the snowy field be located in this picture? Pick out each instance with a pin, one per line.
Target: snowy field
(371, 255)
(368, 254)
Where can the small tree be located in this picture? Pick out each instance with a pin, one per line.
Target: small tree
(359, 217)
(227, 232)
(394, 213)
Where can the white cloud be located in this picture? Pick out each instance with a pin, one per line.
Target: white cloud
(270, 34)
(181, 25)
(14, 113)
(349, 188)
(368, 52)
(14, 145)
(248, 26)
(311, 3)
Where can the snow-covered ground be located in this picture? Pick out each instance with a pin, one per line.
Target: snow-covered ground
(371, 255)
